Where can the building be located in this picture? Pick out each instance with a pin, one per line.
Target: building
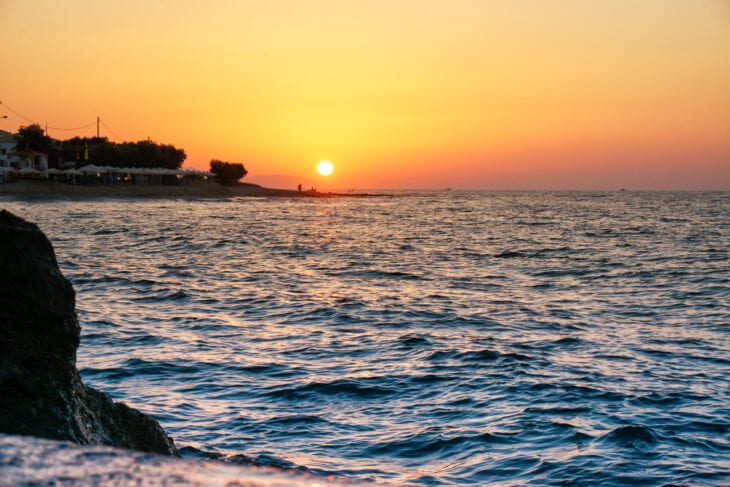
(28, 158)
(7, 145)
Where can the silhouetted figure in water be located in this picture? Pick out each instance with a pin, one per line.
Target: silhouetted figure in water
(300, 188)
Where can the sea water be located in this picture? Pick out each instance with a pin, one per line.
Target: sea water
(469, 338)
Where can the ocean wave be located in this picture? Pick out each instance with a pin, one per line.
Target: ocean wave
(342, 387)
(458, 338)
(428, 444)
(632, 436)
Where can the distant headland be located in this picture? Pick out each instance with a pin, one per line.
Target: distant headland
(38, 188)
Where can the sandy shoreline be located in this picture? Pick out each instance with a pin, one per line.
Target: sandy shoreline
(201, 189)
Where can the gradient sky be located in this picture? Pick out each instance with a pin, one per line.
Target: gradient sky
(473, 94)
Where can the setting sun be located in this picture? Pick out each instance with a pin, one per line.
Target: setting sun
(325, 168)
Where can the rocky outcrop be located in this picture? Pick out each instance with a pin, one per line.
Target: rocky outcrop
(41, 393)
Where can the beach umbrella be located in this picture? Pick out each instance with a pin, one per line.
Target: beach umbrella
(27, 171)
(73, 172)
(46, 173)
(6, 169)
(92, 169)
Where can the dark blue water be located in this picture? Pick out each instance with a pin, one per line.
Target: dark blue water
(427, 338)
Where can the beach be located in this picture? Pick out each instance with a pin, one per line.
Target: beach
(200, 189)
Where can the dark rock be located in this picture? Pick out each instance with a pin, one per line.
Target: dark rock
(41, 393)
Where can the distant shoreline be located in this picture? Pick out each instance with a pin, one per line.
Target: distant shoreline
(31, 189)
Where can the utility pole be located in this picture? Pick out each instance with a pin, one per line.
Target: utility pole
(97, 126)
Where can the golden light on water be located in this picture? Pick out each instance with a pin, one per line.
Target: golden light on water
(325, 168)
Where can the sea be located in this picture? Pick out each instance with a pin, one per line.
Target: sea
(416, 338)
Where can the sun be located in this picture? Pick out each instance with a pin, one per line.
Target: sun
(325, 168)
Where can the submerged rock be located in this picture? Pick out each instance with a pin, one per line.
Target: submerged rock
(41, 393)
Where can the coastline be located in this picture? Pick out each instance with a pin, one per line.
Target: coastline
(201, 189)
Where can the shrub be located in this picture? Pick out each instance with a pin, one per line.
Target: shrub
(227, 172)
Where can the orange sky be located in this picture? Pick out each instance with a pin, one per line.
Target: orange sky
(511, 94)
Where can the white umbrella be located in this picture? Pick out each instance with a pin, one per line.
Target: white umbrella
(92, 169)
(27, 170)
(73, 172)
(52, 170)
(6, 169)
(196, 172)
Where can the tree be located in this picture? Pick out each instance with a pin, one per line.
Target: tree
(33, 137)
(173, 156)
(145, 153)
(227, 173)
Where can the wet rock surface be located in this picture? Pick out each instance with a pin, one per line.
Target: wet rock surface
(34, 461)
(41, 393)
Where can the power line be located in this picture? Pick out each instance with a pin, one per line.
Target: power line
(28, 119)
(19, 114)
(75, 128)
(111, 131)
(48, 127)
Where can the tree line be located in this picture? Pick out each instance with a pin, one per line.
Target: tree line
(102, 152)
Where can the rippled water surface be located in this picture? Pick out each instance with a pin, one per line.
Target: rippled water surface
(426, 338)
